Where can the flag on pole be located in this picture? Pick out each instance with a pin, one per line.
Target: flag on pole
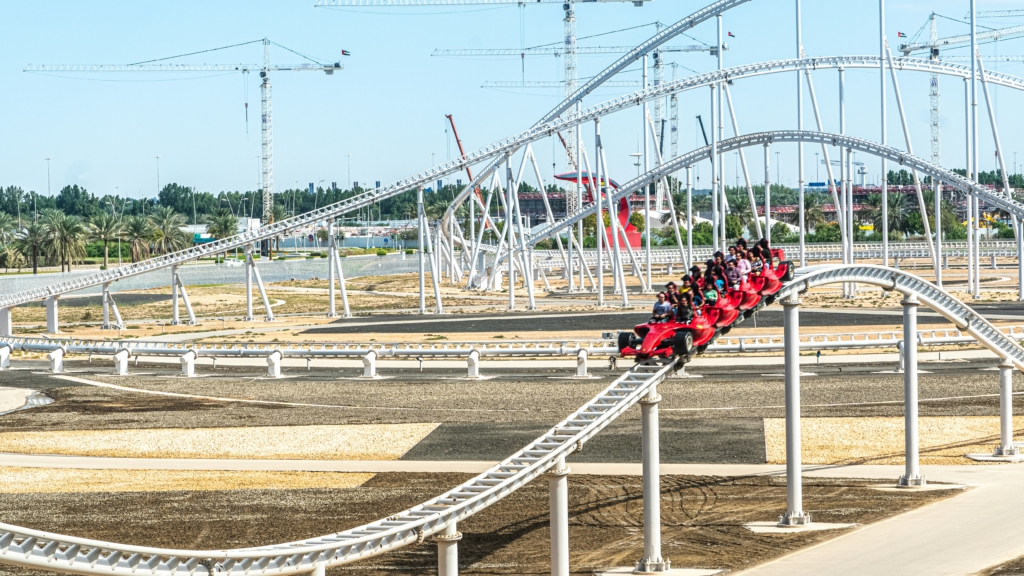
(901, 35)
(731, 35)
(346, 53)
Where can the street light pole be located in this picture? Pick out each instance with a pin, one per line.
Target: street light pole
(349, 161)
(158, 175)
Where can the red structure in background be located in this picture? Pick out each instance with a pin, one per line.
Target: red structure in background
(632, 234)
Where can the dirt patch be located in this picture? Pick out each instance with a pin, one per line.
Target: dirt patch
(943, 439)
(702, 519)
(56, 480)
(379, 442)
(1014, 567)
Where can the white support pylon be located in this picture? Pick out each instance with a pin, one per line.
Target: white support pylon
(175, 320)
(6, 325)
(448, 550)
(912, 476)
(248, 283)
(332, 251)
(1006, 446)
(652, 560)
(558, 505)
(52, 314)
(795, 515)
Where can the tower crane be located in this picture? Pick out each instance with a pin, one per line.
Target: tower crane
(932, 46)
(265, 69)
(570, 51)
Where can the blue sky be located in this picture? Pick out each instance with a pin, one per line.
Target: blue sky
(387, 107)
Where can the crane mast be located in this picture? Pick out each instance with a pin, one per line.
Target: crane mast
(266, 140)
(571, 81)
(934, 95)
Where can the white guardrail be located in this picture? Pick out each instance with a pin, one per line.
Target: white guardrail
(522, 349)
(47, 551)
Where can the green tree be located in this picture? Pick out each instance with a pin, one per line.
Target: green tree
(168, 235)
(105, 228)
(222, 225)
(703, 234)
(30, 242)
(637, 220)
(11, 258)
(733, 226)
(138, 231)
(7, 228)
(76, 201)
(65, 237)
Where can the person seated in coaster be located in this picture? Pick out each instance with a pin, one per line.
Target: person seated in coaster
(662, 309)
(741, 243)
(684, 309)
(733, 275)
(695, 294)
(710, 293)
(766, 252)
(731, 256)
(756, 261)
(743, 265)
(671, 293)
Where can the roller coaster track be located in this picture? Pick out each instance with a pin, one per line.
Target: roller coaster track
(507, 146)
(46, 551)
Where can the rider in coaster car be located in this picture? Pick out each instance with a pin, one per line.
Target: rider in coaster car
(710, 290)
(719, 258)
(731, 256)
(671, 293)
(766, 252)
(756, 260)
(743, 265)
(684, 309)
(662, 309)
(693, 290)
(733, 275)
(741, 243)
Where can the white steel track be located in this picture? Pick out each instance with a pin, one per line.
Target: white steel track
(54, 552)
(494, 151)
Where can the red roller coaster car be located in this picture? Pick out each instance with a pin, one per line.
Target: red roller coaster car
(683, 340)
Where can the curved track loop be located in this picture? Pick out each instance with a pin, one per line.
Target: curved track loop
(781, 136)
(41, 550)
(497, 150)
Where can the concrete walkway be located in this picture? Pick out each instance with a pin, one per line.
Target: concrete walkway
(957, 536)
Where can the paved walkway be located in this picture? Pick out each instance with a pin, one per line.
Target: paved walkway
(957, 536)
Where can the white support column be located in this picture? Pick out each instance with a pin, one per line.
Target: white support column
(582, 370)
(912, 477)
(802, 219)
(121, 361)
(435, 274)
(884, 141)
(346, 311)
(370, 364)
(473, 364)
(249, 263)
(56, 358)
(5, 357)
(332, 253)
(651, 453)
(319, 570)
(558, 505)
(1020, 260)
(767, 193)
(188, 363)
(274, 364)
(188, 304)
(106, 306)
(689, 217)
(448, 550)
(795, 515)
(263, 293)
(647, 190)
(714, 171)
(6, 325)
(175, 320)
(421, 222)
(937, 193)
(52, 321)
(1006, 446)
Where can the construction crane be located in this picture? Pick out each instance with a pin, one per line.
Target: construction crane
(558, 51)
(932, 47)
(997, 14)
(553, 84)
(570, 51)
(265, 69)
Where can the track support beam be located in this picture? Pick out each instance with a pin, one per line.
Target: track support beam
(912, 477)
(652, 560)
(448, 550)
(558, 485)
(795, 515)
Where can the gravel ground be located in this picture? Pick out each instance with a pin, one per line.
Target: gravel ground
(701, 519)
(1014, 567)
(717, 418)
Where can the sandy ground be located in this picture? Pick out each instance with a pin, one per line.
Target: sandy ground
(702, 519)
(377, 442)
(943, 439)
(1014, 567)
(54, 480)
(13, 398)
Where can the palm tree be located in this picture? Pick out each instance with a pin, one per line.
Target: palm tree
(65, 237)
(7, 228)
(222, 225)
(105, 228)
(168, 235)
(897, 216)
(814, 216)
(138, 231)
(30, 242)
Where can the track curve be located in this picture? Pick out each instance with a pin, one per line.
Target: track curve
(32, 548)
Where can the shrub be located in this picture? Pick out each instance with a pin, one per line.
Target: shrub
(382, 252)
(410, 251)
